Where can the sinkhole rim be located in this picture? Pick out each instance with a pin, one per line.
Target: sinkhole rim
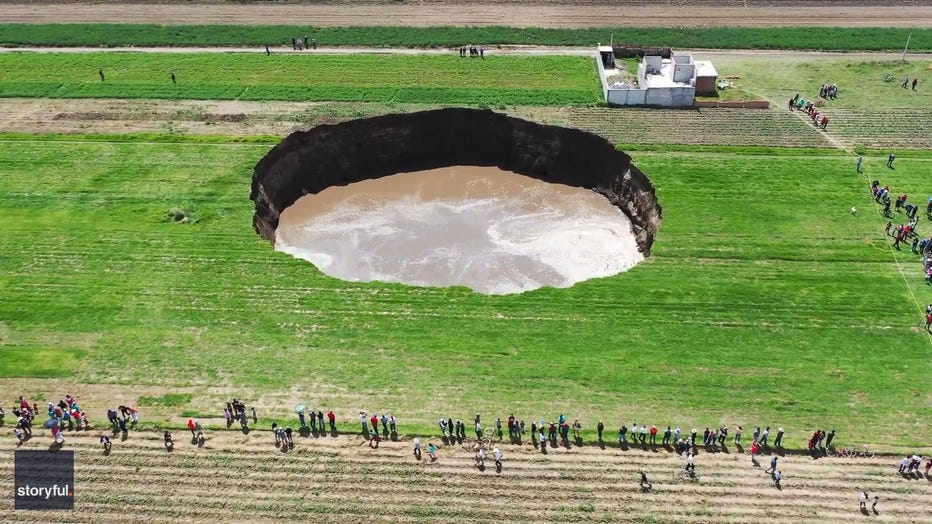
(308, 162)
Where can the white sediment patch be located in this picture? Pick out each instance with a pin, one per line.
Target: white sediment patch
(493, 231)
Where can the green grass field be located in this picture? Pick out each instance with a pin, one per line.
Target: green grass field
(496, 80)
(765, 302)
(140, 35)
(862, 84)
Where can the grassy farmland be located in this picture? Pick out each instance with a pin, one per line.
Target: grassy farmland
(863, 84)
(546, 80)
(142, 35)
(765, 302)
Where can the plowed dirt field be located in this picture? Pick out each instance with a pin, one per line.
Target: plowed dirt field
(236, 477)
(751, 13)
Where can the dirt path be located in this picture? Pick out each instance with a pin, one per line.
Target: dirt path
(520, 50)
(239, 118)
(751, 13)
(234, 475)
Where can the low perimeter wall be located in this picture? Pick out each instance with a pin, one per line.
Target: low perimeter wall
(738, 104)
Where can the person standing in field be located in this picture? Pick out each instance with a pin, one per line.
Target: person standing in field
(915, 81)
(862, 500)
(267, 52)
(432, 452)
(173, 78)
(877, 497)
(890, 160)
(778, 442)
(305, 42)
(600, 428)
(860, 161)
(101, 73)
(417, 448)
(543, 442)
(905, 82)
(333, 420)
(773, 465)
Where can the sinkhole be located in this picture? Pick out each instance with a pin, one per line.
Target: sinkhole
(455, 197)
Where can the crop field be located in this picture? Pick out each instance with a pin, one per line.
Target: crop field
(719, 126)
(766, 301)
(237, 477)
(867, 85)
(185, 119)
(495, 80)
(156, 35)
(757, 283)
(891, 129)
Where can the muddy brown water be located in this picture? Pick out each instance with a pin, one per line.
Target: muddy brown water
(493, 231)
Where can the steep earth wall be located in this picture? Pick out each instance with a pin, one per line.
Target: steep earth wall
(310, 161)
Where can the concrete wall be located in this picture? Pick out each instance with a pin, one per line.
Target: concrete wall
(682, 59)
(655, 96)
(627, 97)
(705, 85)
(600, 70)
(671, 96)
(684, 73)
(653, 64)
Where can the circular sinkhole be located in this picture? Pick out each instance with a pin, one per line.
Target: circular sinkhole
(493, 231)
(455, 197)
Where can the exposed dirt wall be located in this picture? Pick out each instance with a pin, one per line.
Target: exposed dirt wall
(308, 162)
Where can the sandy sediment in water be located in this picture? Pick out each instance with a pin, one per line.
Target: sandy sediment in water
(493, 231)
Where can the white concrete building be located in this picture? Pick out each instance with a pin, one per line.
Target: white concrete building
(664, 82)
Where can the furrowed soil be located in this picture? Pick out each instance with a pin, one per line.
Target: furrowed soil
(752, 13)
(235, 476)
(713, 126)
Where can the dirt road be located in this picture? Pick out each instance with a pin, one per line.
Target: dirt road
(235, 476)
(242, 118)
(521, 50)
(751, 13)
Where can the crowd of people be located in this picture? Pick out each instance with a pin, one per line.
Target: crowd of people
(298, 44)
(905, 232)
(67, 414)
(900, 232)
(472, 51)
(812, 108)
